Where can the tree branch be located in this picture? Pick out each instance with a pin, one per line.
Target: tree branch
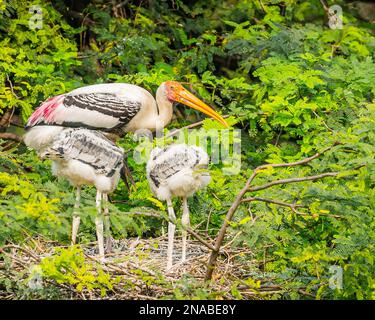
(10, 136)
(238, 200)
(190, 126)
(297, 163)
(6, 118)
(200, 239)
(325, 6)
(291, 180)
(223, 229)
(11, 87)
(280, 203)
(292, 206)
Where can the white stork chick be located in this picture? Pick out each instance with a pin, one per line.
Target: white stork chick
(177, 171)
(87, 157)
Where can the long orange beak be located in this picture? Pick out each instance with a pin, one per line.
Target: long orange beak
(187, 98)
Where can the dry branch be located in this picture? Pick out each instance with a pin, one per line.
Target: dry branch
(297, 163)
(292, 206)
(123, 265)
(325, 6)
(188, 229)
(239, 199)
(280, 203)
(292, 180)
(11, 87)
(190, 126)
(10, 136)
(6, 118)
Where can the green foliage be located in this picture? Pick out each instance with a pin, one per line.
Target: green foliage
(36, 203)
(290, 83)
(34, 63)
(68, 266)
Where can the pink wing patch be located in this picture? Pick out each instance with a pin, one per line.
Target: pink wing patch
(46, 111)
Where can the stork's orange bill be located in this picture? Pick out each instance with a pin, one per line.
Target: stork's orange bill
(187, 98)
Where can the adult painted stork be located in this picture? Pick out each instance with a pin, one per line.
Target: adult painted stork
(87, 157)
(112, 107)
(177, 171)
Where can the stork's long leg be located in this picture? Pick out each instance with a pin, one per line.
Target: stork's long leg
(99, 225)
(76, 217)
(107, 224)
(171, 230)
(185, 221)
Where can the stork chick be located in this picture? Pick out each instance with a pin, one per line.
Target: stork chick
(177, 171)
(87, 157)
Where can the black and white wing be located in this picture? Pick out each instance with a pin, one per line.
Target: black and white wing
(102, 106)
(166, 163)
(89, 147)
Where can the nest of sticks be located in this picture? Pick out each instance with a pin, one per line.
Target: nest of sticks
(139, 265)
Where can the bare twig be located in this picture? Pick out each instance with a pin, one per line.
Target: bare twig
(280, 203)
(11, 87)
(318, 116)
(5, 119)
(297, 163)
(292, 206)
(325, 5)
(148, 214)
(10, 136)
(190, 126)
(278, 137)
(30, 253)
(233, 239)
(200, 239)
(292, 180)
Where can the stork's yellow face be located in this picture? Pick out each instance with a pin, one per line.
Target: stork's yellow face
(176, 92)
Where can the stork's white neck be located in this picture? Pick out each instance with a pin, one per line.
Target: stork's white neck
(149, 117)
(165, 107)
